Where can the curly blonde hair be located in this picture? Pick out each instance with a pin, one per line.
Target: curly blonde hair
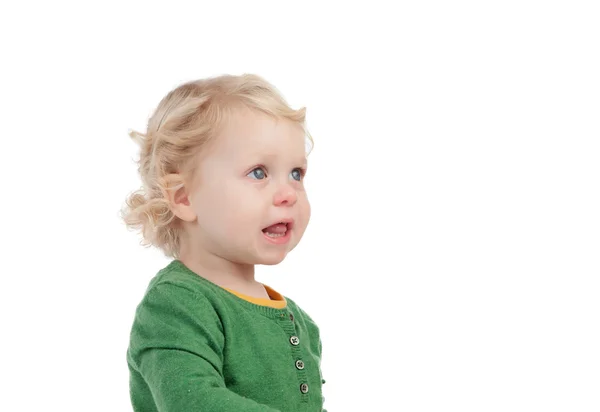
(186, 119)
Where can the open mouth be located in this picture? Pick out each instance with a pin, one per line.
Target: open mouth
(280, 232)
(277, 230)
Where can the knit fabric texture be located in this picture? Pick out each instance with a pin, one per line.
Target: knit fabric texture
(195, 346)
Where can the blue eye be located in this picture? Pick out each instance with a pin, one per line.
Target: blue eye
(296, 174)
(257, 174)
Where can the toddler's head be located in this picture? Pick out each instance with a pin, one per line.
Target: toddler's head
(222, 164)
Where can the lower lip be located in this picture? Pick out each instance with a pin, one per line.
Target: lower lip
(280, 240)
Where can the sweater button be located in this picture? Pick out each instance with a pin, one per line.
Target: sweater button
(299, 364)
(304, 388)
(292, 317)
(294, 340)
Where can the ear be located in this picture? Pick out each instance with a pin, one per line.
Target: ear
(178, 197)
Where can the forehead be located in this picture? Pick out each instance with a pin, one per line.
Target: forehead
(249, 133)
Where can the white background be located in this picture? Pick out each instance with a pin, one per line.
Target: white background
(452, 260)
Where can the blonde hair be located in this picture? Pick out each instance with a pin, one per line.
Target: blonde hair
(186, 119)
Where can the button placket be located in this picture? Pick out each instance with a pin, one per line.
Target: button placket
(287, 323)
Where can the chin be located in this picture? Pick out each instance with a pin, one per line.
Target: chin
(271, 260)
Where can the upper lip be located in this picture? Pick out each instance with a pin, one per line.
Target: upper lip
(288, 221)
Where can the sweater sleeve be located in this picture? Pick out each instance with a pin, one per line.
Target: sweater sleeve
(177, 346)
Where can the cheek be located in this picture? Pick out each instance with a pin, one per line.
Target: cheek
(220, 209)
(304, 211)
(240, 211)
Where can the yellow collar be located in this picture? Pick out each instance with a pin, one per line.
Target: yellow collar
(276, 300)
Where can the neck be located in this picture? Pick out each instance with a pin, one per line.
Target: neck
(215, 268)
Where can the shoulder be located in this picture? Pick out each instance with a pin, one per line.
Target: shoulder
(176, 274)
(176, 296)
(175, 281)
(173, 313)
(174, 309)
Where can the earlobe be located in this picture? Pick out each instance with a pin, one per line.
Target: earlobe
(179, 201)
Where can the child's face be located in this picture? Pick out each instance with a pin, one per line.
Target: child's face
(250, 179)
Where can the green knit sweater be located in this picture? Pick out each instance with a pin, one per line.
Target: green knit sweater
(195, 346)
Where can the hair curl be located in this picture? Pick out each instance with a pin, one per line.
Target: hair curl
(186, 119)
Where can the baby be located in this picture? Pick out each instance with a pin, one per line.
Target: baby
(222, 164)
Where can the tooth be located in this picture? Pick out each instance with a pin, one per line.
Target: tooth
(274, 234)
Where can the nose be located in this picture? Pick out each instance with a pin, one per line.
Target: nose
(285, 196)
